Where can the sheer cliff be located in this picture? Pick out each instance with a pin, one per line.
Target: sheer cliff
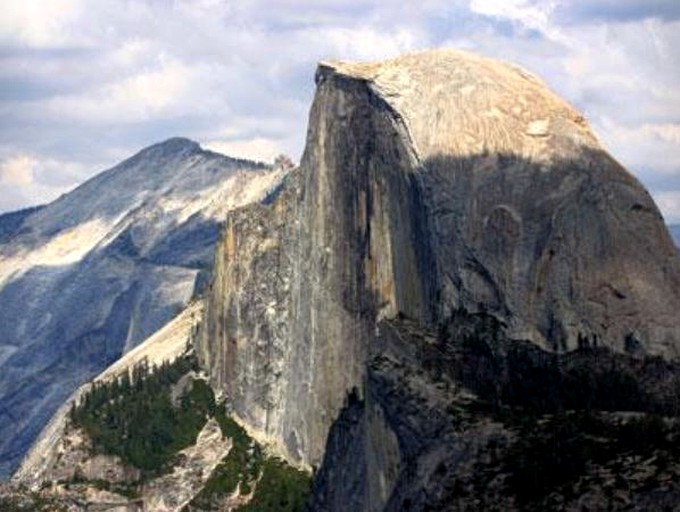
(89, 276)
(458, 301)
(433, 184)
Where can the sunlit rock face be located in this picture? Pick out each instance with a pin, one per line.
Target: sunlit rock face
(432, 183)
(89, 276)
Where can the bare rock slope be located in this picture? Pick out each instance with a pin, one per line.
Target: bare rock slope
(89, 276)
(431, 184)
(165, 345)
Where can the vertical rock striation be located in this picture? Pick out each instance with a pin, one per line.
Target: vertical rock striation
(432, 183)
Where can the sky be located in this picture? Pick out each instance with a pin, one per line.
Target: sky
(85, 84)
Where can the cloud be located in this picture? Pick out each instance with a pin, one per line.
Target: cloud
(26, 179)
(258, 148)
(17, 171)
(531, 15)
(39, 24)
(85, 83)
(669, 132)
(669, 204)
(154, 92)
(653, 146)
(589, 11)
(366, 43)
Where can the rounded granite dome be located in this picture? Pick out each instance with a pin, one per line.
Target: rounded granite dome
(458, 103)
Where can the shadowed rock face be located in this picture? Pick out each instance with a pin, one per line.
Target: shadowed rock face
(434, 183)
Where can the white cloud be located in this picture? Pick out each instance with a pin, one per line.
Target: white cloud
(40, 24)
(531, 15)
(649, 146)
(87, 81)
(367, 43)
(134, 98)
(669, 132)
(27, 179)
(669, 204)
(575, 11)
(17, 171)
(258, 148)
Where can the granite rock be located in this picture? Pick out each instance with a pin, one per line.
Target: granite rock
(432, 183)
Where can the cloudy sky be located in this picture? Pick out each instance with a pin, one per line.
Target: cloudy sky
(86, 83)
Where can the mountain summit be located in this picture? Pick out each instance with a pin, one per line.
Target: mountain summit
(433, 186)
(458, 301)
(87, 277)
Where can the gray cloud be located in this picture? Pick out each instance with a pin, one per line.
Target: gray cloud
(589, 11)
(84, 84)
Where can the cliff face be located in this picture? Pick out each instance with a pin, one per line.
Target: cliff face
(530, 219)
(89, 276)
(430, 184)
(456, 420)
(44, 461)
(147, 434)
(298, 285)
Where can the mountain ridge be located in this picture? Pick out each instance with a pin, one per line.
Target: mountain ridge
(430, 184)
(105, 245)
(458, 295)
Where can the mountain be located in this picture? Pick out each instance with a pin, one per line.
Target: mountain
(435, 183)
(11, 222)
(458, 301)
(87, 277)
(207, 460)
(675, 233)
(165, 345)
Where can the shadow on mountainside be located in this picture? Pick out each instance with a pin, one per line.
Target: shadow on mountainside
(473, 420)
(464, 415)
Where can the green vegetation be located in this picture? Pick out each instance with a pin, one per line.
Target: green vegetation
(242, 464)
(554, 453)
(566, 442)
(278, 486)
(474, 350)
(135, 418)
(130, 491)
(553, 460)
(282, 488)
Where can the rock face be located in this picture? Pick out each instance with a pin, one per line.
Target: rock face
(44, 460)
(431, 184)
(87, 277)
(419, 439)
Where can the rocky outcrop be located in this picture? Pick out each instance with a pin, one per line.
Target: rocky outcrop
(173, 491)
(103, 482)
(91, 275)
(419, 439)
(44, 461)
(63, 461)
(434, 183)
(219, 466)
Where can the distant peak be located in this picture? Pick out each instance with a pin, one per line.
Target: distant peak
(177, 143)
(171, 148)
